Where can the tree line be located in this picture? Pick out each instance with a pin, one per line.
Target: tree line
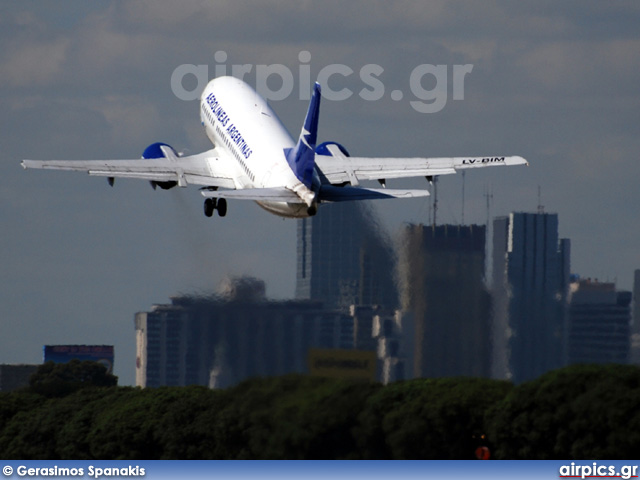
(76, 411)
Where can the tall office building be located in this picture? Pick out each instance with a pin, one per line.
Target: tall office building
(222, 341)
(530, 286)
(443, 292)
(599, 323)
(343, 259)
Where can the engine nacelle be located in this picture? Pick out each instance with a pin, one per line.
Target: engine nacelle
(154, 151)
(323, 150)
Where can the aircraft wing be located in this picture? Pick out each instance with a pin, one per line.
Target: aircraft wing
(338, 168)
(205, 168)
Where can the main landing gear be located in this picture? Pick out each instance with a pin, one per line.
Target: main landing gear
(211, 204)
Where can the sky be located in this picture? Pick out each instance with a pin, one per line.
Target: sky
(555, 82)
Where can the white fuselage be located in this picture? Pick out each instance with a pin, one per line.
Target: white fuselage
(244, 128)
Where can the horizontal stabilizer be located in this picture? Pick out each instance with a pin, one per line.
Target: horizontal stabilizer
(256, 194)
(330, 193)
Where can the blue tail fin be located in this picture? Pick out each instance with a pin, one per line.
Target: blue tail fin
(301, 158)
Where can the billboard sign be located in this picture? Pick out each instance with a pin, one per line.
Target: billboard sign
(335, 363)
(65, 353)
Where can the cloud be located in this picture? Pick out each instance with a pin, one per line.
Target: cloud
(576, 68)
(34, 64)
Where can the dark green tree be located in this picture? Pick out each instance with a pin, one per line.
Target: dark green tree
(49, 429)
(577, 412)
(185, 428)
(581, 411)
(155, 423)
(60, 379)
(17, 401)
(428, 418)
(291, 417)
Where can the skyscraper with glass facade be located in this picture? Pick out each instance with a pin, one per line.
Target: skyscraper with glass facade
(599, 323)
(443, 291)
(530, 286)
(343, 259)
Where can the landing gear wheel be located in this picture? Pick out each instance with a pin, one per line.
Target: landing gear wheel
(209, 206)
(222, 207)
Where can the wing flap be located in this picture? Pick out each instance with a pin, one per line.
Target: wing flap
(159, 176)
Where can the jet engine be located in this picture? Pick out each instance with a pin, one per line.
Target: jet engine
(323, 150)
(154, 151)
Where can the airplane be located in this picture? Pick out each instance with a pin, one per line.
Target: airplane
(254, 158)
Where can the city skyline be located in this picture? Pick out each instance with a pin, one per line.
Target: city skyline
(535, 264)
(556, 84)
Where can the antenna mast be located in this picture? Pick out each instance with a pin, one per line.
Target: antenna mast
(540, 206)
(463, 182)
(435, 201)
(488, 260)
(489, 198)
